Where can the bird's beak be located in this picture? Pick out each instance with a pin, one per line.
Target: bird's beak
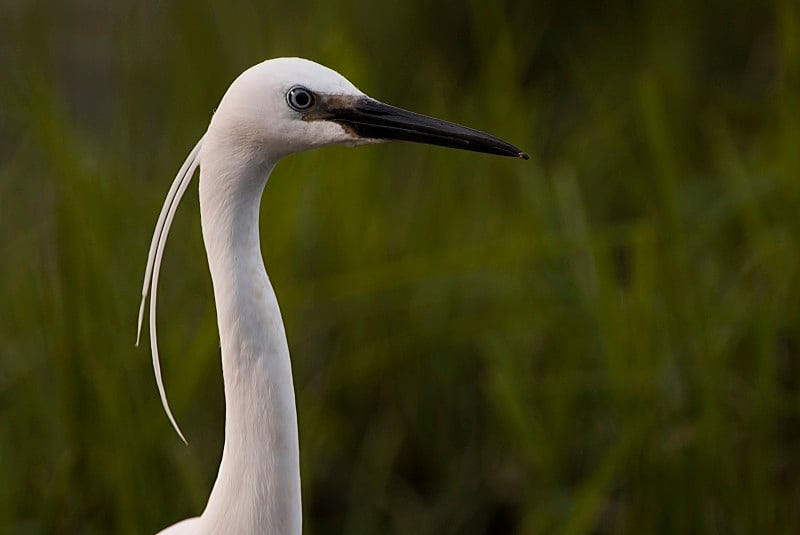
(369, 118)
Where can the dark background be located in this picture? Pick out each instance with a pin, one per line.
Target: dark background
(603, 339)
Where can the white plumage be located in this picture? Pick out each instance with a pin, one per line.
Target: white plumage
(273, 109)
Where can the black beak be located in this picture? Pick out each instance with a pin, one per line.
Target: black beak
(369, 118)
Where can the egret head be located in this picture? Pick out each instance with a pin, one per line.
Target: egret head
(288, 105)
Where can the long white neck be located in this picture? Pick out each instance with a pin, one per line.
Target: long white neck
(258, 485)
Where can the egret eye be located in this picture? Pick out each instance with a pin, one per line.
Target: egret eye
(299, 98)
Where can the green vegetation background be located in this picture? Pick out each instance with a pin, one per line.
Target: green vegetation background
(604, 339)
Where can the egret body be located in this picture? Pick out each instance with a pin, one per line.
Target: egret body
(273, 109)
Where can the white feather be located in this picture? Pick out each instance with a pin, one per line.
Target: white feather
(157, 243)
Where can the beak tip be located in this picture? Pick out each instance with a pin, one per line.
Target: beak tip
(522, 155)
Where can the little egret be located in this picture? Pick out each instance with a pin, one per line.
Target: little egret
(273, 109)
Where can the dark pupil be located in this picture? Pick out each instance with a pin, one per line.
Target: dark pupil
(301, 99)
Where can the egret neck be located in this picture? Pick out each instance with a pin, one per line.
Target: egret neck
(258, 485)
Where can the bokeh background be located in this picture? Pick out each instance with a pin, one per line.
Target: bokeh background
(603, 339)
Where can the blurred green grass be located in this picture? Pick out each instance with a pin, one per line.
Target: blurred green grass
(604, 339)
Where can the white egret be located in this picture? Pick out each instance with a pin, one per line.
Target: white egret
(275, 108)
